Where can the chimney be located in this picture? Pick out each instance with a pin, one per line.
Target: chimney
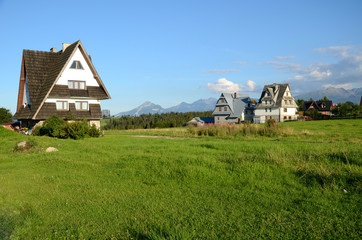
(235, 95)
(65, 45)
(53, 49)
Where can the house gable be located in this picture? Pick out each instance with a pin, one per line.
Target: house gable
(84, 74)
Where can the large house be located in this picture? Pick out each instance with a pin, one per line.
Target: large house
(231, 108)
(63, 83)
(276, 102)
(323, 107)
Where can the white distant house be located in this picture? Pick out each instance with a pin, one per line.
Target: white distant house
(231, 108)
(276, 102)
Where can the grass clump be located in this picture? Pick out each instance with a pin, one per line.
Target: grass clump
(270, 129)
(27, 146)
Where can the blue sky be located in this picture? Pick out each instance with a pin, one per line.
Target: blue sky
(173, 51)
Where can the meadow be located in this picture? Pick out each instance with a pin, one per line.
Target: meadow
(302, 184)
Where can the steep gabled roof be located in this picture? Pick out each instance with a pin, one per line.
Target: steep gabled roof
(277, 93)
(42, 70)
(318, 105)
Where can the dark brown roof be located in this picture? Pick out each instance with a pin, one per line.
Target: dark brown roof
(91, 92)
(43, 70)
(49, 109)
(318, 105)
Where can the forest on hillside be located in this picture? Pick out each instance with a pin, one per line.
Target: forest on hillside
(163, 120)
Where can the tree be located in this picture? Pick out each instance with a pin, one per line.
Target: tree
(5, 115)
(300, 103)
(324, 99)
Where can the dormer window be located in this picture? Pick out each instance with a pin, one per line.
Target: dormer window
(78, 85)
(76, 65)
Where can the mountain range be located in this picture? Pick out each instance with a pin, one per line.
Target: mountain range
(337, 95)
(200, 105)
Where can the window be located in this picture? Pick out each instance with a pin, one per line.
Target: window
(79, 85)
(285, 101)
(220, 109)
(225, 109)
(62, 105)
(290, 102)
(76, 65)
(269, 109)
(285, 117)
(266, 109)
(290, 117)
(81, 105)
(287, 93)
(285, 110)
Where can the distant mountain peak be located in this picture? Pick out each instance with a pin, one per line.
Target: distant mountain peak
(147, 107)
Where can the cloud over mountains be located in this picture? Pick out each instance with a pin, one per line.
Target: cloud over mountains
(345, 72)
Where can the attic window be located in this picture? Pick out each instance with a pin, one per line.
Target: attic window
(76, 65)
(80, 85)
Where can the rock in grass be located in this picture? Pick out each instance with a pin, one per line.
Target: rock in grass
(22, 144)
(51, 149)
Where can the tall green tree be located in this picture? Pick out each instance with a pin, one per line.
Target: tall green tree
(324, 99)
(5, 115)
(300, 103)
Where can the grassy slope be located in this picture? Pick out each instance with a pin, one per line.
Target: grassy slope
(122, 187)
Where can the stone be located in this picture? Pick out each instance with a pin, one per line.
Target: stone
(22, 144)
(51, 149)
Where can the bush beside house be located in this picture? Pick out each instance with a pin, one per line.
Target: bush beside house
(59, 128)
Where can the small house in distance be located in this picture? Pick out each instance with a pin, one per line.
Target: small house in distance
(276, 102)
(106, 113)
(231, 108)
(63, 83)
(323, 107)
(201, 121)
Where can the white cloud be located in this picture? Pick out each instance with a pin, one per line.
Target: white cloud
(320, 75)
(343, 85)
(289, 67)
(284, 58)
(218, 71)
(332, 48)
(240, 62)
(223, 85)
(345, 71)
(251, 85)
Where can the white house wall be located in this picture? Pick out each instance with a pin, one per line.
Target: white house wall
(262, 112)
(77, 74)
(26, 98)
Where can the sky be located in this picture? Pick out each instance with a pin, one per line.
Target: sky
(169, 52)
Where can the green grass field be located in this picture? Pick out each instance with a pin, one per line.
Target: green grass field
(305, 185)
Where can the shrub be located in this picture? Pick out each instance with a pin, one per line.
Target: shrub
(53, 127)
(57, 127)
(94, 131)
(77, 129)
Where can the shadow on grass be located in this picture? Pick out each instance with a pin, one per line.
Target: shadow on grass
(7, 225)
(341, 156)
(350, 181)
